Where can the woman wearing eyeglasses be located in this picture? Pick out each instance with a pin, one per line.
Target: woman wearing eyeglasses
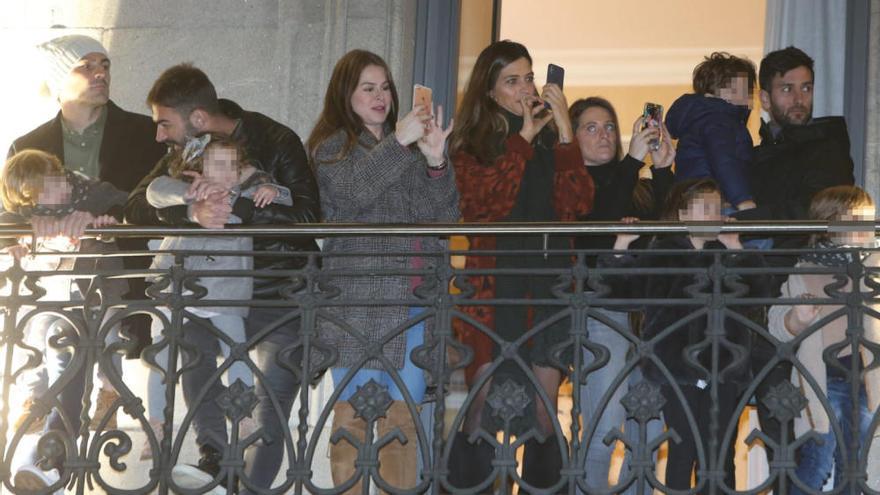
(619, 193)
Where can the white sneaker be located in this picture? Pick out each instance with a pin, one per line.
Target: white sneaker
(31, 478)
(186, 476)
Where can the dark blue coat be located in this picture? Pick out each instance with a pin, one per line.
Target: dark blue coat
(713, 141)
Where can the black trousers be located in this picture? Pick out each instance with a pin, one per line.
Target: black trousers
(683, 456)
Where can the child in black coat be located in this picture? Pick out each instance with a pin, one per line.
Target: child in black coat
(685, 329)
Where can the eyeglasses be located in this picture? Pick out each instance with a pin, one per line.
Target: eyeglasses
(592, 128)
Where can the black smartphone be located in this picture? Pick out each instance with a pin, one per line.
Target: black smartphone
(555, 75)
(653, 115)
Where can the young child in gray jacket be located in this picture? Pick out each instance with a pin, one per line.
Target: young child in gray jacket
(204, 167)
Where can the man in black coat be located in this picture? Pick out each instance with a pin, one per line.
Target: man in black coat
(92, 135)
(798, 156)
(185, 104)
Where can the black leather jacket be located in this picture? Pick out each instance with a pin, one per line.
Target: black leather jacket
(273, 148)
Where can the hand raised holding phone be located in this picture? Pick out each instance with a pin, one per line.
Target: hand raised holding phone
(653, 118)
(415, 124)
(433, 143)
(642, 137)
(535, 117)
(412, 126)
(556, 77)
(554, 100)
(424, 96)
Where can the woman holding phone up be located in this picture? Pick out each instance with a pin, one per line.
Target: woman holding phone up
(515, 162)
(372, 168)
(619, 193)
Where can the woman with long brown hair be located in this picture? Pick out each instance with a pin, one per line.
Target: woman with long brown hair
(515, 162)
(372, 168)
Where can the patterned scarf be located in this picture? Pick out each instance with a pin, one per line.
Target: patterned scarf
(828, 253)
(79, 189)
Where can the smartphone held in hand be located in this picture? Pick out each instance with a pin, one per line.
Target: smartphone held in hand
(653, 117)
(423, 95)
(555, 75)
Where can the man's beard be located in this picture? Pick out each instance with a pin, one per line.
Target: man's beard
(784, 119)
(189, 133)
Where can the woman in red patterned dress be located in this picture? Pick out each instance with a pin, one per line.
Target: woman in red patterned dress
(515, 162)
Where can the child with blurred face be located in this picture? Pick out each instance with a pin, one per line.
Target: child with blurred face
(787, 322)
(59, 204)
(36, 188)
(710, 125)
(220, 167)
(210, 166)
(684, 353)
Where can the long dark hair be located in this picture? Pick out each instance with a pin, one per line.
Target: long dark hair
(338, 113)
(643, 193)
(480, 123)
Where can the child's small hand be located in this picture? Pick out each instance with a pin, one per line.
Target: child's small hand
(17, 251)
(45, 227)
(731, 239)
(624, 240)
(74, 225)
(104, 221)
(201, 187)
(264, 195)
(800, 316)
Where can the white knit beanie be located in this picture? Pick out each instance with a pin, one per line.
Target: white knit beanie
(63, 53)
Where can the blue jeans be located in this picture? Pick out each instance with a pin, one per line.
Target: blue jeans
(231, 325)
(413, 376)
(263, 459)
(57, 362)
(614, 415)
(817, 460)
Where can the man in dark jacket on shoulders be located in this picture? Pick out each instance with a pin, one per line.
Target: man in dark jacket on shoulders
(185, 104)
(93, 136)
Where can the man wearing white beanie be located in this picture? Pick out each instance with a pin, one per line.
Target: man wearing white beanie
(93, 136)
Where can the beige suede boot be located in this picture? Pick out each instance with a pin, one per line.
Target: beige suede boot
(398, 462)
(342, 453)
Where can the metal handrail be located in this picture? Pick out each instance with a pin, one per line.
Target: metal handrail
(498, 228)
(582, 295)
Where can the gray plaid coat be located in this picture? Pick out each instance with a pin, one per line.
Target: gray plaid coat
(378, 182)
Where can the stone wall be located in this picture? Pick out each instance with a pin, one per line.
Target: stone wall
(272, 56)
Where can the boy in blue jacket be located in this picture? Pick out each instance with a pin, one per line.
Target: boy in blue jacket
(710, 125)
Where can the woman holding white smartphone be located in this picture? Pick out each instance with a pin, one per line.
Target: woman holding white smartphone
(372, 168)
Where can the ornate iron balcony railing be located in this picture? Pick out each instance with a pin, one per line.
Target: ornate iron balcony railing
(724, 313)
